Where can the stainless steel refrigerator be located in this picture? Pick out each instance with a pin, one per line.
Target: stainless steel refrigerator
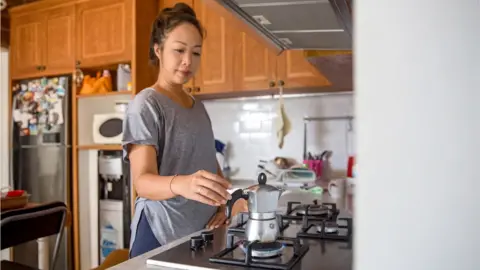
(41, 154)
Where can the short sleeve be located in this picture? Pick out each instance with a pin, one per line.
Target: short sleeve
(141, 125)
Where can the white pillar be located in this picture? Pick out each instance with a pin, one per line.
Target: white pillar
(417, 99)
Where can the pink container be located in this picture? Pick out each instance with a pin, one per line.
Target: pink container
(316, 166)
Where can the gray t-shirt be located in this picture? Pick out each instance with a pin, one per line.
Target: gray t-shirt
(185, 144)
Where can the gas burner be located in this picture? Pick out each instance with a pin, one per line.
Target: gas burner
(264, 250)
(330, 227)
(315, 211)
(327, 230)
(282, 254)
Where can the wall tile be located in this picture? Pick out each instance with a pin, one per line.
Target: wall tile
(249, 128)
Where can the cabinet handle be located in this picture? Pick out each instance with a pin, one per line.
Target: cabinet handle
(39, 67)
(77, 63)
(281, 83)
(189, 89)
(272, 84)
(196, 89)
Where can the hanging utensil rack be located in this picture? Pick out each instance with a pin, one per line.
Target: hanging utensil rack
(306, 120)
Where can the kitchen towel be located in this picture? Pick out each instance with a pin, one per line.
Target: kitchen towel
(282, 123)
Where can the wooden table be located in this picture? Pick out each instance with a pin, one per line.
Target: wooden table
(43, 247)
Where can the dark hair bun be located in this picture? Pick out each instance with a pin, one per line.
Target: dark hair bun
(184, 8)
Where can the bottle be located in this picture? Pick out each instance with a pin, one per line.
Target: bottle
(123, 77)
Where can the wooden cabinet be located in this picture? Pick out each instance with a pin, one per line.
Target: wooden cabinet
(296, 72)
(104, 32)
(234, 61)
(215, 74)
(255, 64)
(259, 68)
(42, 42)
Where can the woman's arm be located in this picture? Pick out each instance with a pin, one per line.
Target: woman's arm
(147, 182)
(201, 186)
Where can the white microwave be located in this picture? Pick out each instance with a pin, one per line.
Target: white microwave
(108, 128)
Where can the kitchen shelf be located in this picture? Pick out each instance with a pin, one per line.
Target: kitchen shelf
(100, 147)
(113, 93)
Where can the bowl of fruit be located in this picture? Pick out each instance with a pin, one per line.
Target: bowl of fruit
(13, 199)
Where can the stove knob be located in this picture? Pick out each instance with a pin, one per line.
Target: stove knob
(196, 242)
(207, 236)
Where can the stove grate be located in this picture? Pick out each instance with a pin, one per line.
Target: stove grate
(308, 224)
(299, 251)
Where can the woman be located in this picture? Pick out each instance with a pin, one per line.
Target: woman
(169, 143)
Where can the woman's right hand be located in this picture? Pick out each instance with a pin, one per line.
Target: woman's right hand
(202, 186)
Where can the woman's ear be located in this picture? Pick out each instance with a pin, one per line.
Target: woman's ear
(157, 50)
(158, 53)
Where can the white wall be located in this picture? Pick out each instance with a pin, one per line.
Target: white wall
(4, 156)
(4, 153)
(248, 126)
(417, 97)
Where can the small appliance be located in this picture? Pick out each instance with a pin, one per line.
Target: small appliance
(108, 128)
(110, 169)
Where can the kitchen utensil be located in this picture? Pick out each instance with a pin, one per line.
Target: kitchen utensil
(263, 224)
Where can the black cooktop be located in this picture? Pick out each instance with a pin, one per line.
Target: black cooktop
(307, 243)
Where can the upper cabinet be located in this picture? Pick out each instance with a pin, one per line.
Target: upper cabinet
(216, 68)
(42, 43)
(104, 32)
(297, 72)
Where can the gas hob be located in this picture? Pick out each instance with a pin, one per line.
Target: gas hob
(313, 236)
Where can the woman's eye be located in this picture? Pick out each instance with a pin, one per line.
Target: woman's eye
(180, 50)
(196, 54)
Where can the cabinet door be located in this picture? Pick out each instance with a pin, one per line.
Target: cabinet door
(255, 64)
(104, 32)
(297, 72)
(59, 53)
(27, 43)
(215, 74)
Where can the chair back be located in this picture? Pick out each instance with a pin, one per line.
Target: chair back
(27, 224)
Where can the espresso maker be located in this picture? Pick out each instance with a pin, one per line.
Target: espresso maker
(263, 223)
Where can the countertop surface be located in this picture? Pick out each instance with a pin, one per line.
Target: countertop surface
(344, 205)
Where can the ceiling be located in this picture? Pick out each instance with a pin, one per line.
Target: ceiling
(5, 23)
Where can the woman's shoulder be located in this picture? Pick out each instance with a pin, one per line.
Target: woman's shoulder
(147, 98)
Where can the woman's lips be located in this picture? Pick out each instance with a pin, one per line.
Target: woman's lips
(185, 73)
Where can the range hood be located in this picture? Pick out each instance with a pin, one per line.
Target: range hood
(322, 28)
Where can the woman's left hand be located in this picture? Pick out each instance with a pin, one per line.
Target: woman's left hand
(219, 219)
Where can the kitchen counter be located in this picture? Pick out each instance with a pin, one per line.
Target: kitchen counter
(139, 263)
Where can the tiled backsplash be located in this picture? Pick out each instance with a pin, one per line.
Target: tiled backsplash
(248, 127)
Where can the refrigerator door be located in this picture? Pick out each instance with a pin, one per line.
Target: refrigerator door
(43, 174)
(42, 166)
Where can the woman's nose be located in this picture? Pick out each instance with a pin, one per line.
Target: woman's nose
(187, 59)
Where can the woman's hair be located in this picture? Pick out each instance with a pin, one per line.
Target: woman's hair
(166, 21)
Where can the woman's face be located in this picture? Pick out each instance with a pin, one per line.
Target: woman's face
(180, 57)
